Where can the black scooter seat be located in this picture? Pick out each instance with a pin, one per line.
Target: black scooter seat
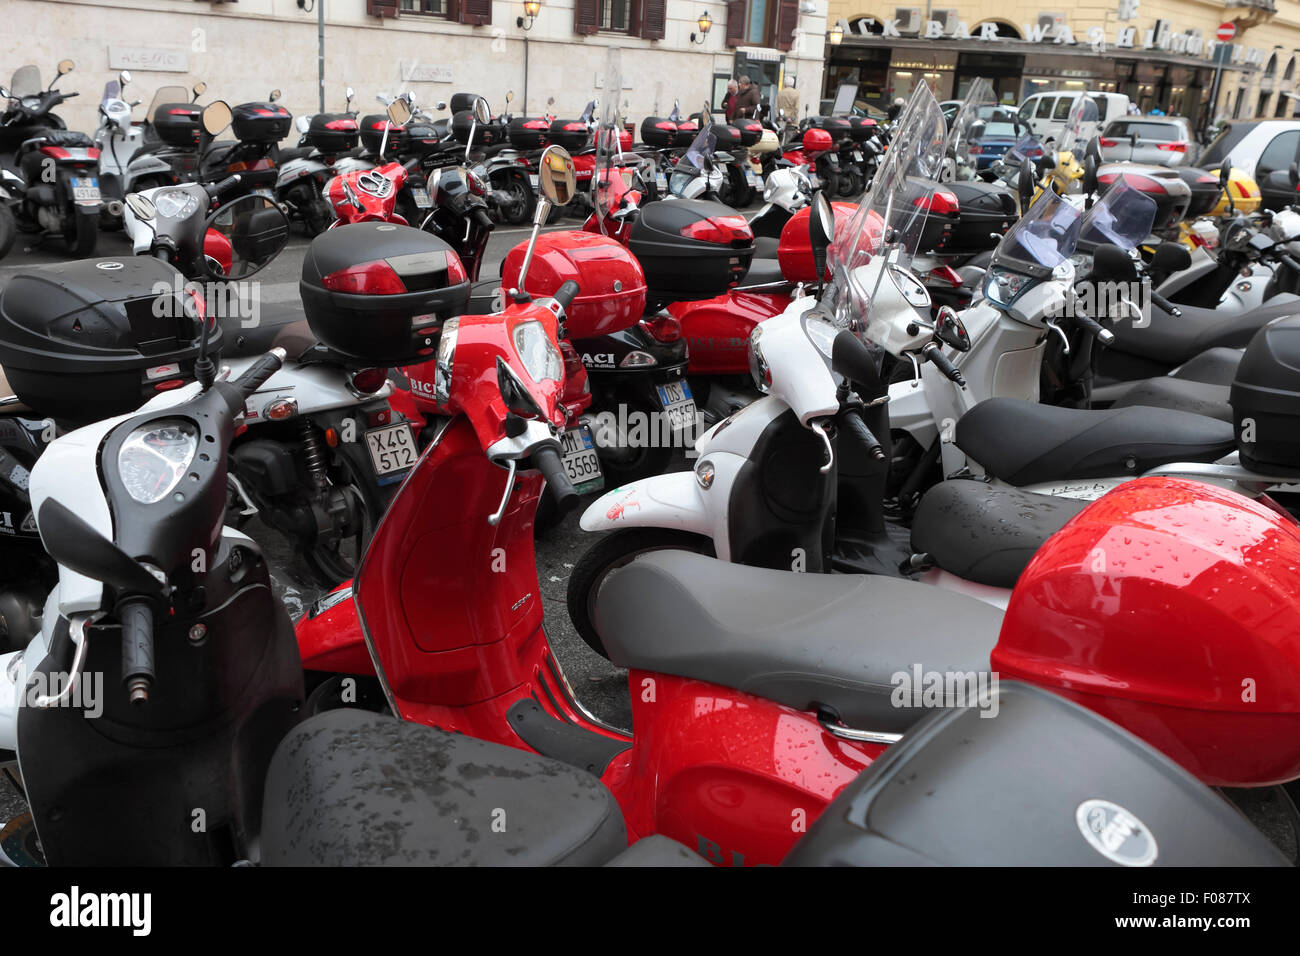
(1200, 398)
(984, 533)
(1024, 443)
(762, 272)
(296, 152)
(1174, 340)
(352, 788)
(803, 640)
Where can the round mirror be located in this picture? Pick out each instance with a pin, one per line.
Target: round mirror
(482, 112)
(440, 105)
(821, 223)
(349, 92)
(510, 95)
(242, 237)
(1225, 172)
(557, 177)
(65, 66)
(216, 117)
(399, 112)
(124, 78)
(950, 330)
(275, 95)
(199, 89)
(141, 206)
(1025, 184)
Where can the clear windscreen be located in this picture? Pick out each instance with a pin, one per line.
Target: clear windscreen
(1046, 235)
(1079, 125)
(1026, 148)
(967, 125)
(26, 82)
(166, 95)
(702, 148)
(604, 191)
(112, 91)
(1123, 217)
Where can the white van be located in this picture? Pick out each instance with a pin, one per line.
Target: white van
(1045, 113)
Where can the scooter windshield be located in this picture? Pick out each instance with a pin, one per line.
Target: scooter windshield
(1079, 125)
(112, 91)
(26, 82)
(893, 214)
(165, 96)
(702, 148)
(1046, 235)
(967, 125)
(605, 192)
(1026, 148)
(1123, 217)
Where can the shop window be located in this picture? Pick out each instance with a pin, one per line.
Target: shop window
(426, 8)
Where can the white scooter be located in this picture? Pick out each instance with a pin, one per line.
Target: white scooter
(118, 140)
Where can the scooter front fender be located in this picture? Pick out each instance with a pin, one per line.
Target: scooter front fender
(664, 501)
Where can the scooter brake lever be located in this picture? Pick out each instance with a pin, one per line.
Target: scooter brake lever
(1065, 339)
(830, 454)
(495, 519)
(916, 368)
(77, 625)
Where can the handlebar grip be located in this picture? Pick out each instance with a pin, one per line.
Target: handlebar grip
(547, 460)
(1165, 304)
(1290, 262)
(227, 184)
(411, 165)
(137, 650)
(934, 353)
(854, 423)
(566, 293)
(482, 218)
(1086, 322)
(259, 372)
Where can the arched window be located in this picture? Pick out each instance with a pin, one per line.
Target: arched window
(1271, 69)
(1005, 29)
(1290, 69)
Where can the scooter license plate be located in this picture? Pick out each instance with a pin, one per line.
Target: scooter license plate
(85, 190)
(532, 178)
(392, 448)
(752, 178)
(421, 197)
(857, 155)
(661, 181)
(678, 404)
(581, 463)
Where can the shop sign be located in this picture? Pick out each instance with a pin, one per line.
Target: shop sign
(1158, 37)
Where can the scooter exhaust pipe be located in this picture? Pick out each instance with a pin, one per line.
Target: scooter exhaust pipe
(115, 208)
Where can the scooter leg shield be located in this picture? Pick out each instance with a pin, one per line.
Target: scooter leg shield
(665, 501)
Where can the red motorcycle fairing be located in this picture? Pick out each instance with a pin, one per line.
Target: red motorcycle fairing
(354, 202)
(717, 330)
(1172, 608)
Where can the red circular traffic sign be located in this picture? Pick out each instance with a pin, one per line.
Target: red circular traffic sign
(1226, 31)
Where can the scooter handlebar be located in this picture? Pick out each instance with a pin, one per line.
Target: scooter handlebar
(934, 353)
(1290, 262)
(854, 424)
(547, 460)
(1086, 322)
(411, 165)
(137, 649)
(257, 373)
(566, 293)
(482, 218)
(1163, 303)
(227, 184)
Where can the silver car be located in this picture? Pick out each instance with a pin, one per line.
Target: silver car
(1159, 140)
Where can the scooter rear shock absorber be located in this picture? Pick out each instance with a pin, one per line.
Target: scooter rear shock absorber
(314, 454)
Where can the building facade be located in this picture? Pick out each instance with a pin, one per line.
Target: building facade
(552, 62)
(1164, 54)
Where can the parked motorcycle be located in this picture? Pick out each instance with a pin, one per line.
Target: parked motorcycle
(55, 189)
(305, 170)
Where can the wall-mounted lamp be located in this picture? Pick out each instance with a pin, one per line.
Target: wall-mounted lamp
(836, 35)
(531, 9)
(705, 23)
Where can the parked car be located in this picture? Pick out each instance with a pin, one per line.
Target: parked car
(1262, 148)
(1003, 129)
(1045, 113)
(1158, 140)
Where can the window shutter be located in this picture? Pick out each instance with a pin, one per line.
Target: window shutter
(654, 19)
(787, 21)
(736, 11)
(474, 12)
(381, 8)
(586, 16)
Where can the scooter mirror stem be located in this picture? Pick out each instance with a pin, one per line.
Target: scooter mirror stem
(539, 217)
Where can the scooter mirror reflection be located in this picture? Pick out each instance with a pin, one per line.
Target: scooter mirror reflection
(399, 112)
(482, 112)
(141, 207)
(558, 178)
(199, 89)
(519, 400)
(242, 237)
(275, 95)
(66, 66)
(950, 330)
(216, 117)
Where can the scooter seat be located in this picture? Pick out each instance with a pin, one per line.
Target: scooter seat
(295, 152)
(1199, 398)
(352, 788)
(1024, 443)
(804, 640)
(765, 247)
(984, 533)
(1172, 340)
(67, 138)
(762, 272)
(295, 338)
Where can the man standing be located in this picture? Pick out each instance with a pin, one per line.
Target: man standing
(729, 101)
(747, 103)
(787, 101)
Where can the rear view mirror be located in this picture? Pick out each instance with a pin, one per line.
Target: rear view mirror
(1171, 257)
(79, 547)
(199, 89)
(510, 95)
(519, 400)
(1225, 171)
(242, 237)
(275, 95)
(141, 207)
(349, 93)
(123, 78)
(440, 105)
(1089, 174)
(399, 112)
(65, 67)
(558, 179)
(216, 117)
(821, 230)
(1026, 182)
(950, 330)
(482, 112)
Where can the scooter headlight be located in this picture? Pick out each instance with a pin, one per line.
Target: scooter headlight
(444, 360)
(175, 203)
(541, 358)
(154, 457)
(758, 367)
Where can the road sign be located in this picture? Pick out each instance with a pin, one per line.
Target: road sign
(1226, 32)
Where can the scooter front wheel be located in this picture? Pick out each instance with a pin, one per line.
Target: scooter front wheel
(610, 553)
(82, 232)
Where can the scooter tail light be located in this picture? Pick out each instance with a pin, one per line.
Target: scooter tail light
(455, 269)
(662, 328)
(55, 152)
(369, 380)
(367, 278)
(572, 360)
(941, 202)
(1140, 183)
